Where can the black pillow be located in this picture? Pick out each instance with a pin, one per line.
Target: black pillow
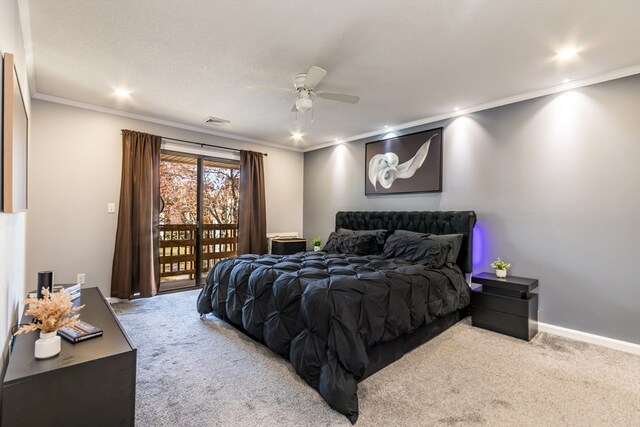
(408, 233)
(343, 243)
(333, 241)
(453, 240)
(359, 245)
(431, 253)
(379, 234)
(400, 246)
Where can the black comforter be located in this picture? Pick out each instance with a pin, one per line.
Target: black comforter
(323, 311)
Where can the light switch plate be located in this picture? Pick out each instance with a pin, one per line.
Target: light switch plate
(111, 208)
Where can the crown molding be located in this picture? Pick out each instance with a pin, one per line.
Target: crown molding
(144, 118)
(613, 75)
(617, 74)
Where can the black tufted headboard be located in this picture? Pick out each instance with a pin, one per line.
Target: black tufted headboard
(435, 222)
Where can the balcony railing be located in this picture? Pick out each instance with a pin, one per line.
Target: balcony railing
(178, 249)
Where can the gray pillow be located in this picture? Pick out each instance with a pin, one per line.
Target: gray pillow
(453, 240)
(415, 234)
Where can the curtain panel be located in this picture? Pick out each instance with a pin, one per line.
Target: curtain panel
(252, 222)
(136, 266)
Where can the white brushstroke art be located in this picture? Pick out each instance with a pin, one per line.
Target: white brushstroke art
(385, 167)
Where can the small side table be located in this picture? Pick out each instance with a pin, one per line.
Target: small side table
(288, 246)
(505, 305)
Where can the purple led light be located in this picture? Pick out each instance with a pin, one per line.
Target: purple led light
(479, 248)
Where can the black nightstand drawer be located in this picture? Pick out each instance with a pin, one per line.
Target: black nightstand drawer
(288, 246)
(518, 307)
(508, 324)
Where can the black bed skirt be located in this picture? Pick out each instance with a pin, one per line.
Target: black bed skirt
(385, 353)
(388, 352)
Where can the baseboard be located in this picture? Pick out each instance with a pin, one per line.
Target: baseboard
(625, 346)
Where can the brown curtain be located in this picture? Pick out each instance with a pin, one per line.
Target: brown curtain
(252, 222)
(136, 266)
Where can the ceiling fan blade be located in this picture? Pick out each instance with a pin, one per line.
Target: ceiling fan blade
(280, 89)
(314, 76)
(340, 97)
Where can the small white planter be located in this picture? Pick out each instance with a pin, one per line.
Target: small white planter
(317, 248)
(501, 273)
(47, 346)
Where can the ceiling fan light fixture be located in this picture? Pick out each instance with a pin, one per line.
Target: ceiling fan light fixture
(304, 102)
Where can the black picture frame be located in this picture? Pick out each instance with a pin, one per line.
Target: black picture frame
(391, 160)
(15, 141)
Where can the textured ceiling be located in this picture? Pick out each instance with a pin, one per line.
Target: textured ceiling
(407, 60)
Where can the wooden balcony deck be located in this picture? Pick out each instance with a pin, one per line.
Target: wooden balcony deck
(178, 252)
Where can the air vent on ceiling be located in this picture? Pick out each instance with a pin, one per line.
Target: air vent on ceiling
(215, 121)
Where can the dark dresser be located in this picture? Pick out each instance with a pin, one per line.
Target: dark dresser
(91, 383)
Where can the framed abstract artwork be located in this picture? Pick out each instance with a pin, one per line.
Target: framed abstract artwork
(404, 164)
(15, 138)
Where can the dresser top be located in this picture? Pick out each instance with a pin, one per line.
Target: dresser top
(96, 311)
(521, 284)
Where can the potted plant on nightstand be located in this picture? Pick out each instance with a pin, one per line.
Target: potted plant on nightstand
(50, 313)
(501, 267)
(316, 243)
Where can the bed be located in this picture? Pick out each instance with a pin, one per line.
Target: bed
(344, 313)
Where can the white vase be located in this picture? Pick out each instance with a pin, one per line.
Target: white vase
(501, 273)
(317, 248)
(48, 345)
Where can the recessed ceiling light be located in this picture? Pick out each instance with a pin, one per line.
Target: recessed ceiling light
(566, 81)
(297, 136)
(386, 126)
(122, 93)
(567, 53)
(457, 108)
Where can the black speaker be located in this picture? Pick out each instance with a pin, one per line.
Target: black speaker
(45, 281)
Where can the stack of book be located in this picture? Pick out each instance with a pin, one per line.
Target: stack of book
(79, 332)
(72, 289)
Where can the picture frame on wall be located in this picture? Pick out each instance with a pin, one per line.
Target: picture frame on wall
(404, 164)
(15, 140)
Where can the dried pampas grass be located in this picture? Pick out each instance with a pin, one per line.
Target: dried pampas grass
(50, 313)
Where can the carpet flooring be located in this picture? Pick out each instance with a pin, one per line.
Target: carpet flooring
(194, 372)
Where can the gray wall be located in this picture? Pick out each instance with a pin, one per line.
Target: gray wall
(75, 167)
(555, 182)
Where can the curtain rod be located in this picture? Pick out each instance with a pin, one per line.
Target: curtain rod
(201, 144)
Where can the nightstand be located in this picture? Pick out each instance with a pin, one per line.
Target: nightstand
(288, 246)
(505, 305)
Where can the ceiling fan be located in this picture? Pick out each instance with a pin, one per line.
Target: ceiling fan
(304, 86)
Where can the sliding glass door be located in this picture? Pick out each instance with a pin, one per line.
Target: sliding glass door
(198, 218)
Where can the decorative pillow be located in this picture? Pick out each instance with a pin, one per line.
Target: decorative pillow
(398, 246)
(333, 241)
(454, 241)
(359, 245)
(380, 235)
(431, 253)
(343, 243)
(408, 233)
(415, 249)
